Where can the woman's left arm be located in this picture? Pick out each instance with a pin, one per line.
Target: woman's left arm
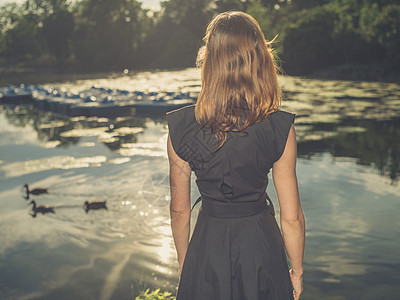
(179, 176)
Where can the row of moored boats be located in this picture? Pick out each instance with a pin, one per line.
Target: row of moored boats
(95, 101)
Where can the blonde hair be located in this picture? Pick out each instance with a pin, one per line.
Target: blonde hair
(238, 75)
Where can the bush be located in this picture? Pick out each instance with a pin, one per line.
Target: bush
(387, 30)
(308, 44)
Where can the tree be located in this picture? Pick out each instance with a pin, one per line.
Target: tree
(58, 29)
(176, 37)
(386, 27)
(22, 39)
(225, 5)
(308, 44)
(107, 33)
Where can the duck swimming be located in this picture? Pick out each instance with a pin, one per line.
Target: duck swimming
(43, 209)
(95, 205)
(35, 192)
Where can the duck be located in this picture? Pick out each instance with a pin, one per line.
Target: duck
(95, 205)
(43, 209)
(35, 192)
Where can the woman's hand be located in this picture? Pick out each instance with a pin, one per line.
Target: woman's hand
(297, 282)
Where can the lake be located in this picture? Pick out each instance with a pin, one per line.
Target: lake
(348, 170)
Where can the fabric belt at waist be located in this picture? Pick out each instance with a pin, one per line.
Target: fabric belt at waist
(233, 209)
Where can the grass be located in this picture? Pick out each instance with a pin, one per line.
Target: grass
(147, 294)
(154, 295)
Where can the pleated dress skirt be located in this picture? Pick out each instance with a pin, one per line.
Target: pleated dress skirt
(236, 252)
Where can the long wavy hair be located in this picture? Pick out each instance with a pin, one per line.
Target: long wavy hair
(238, 75)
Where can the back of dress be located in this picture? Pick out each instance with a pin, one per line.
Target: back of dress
(236, 251)
(237, 172)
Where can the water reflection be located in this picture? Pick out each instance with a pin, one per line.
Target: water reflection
(373, 142)
(351, 228)
(16, 169)
(348, 177)
(66, 132)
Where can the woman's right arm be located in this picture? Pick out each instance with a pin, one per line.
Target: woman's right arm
(291, 213)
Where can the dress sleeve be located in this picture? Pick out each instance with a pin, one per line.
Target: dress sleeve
(176, 125)
(282, 122)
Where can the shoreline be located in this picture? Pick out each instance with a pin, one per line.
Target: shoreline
(382, 73)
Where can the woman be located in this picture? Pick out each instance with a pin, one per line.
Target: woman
(231, 138)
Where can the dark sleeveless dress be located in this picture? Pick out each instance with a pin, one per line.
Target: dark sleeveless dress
(236, 251)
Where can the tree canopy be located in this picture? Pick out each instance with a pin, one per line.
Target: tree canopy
(94, 35)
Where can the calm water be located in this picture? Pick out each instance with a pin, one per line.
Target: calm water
(348, 170)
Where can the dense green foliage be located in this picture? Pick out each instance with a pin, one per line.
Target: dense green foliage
(115, 34)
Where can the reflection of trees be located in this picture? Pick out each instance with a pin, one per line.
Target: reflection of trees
(54, 134)
(379, 145)
(50, 127)
(41, 122)
(18, 116)
(129, 122)
(120, 140)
